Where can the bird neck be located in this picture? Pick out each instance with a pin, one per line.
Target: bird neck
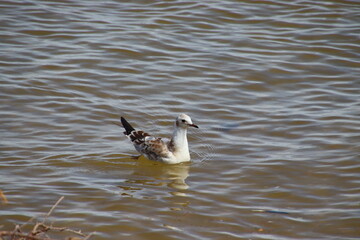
(180, 139)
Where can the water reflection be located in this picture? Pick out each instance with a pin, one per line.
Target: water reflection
(148, 173)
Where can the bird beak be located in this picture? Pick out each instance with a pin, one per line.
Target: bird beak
(193, 125)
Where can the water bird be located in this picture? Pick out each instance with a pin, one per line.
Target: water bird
(175, 150)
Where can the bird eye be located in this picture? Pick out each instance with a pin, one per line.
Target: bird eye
(183, 120)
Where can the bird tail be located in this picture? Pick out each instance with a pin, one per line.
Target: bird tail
(127, 126)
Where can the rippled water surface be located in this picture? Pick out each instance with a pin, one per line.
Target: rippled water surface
(273, 85)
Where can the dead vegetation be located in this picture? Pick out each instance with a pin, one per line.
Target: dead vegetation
(42, 230)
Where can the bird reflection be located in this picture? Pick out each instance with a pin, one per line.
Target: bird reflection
(148, 173)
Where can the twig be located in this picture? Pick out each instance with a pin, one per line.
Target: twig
(45, 216)
(23, 225)
(40, 228)
(61, 229)
(15, 231)
(22, 235)
(89, 236)
(53, 207)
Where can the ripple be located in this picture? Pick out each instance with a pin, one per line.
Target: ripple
(273, 86)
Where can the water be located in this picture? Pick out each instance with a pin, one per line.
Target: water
(273, 85)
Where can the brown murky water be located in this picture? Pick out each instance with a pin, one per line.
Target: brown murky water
(273, 85)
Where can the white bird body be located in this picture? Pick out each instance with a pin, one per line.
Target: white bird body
(175, 150)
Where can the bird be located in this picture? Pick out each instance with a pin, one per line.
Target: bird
(169, 151)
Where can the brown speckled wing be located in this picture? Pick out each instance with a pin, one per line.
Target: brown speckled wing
(155, 147)
(138, 137)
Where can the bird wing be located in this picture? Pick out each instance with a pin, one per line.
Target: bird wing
(153, 148)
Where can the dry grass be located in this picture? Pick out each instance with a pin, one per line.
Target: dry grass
(41, 230)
